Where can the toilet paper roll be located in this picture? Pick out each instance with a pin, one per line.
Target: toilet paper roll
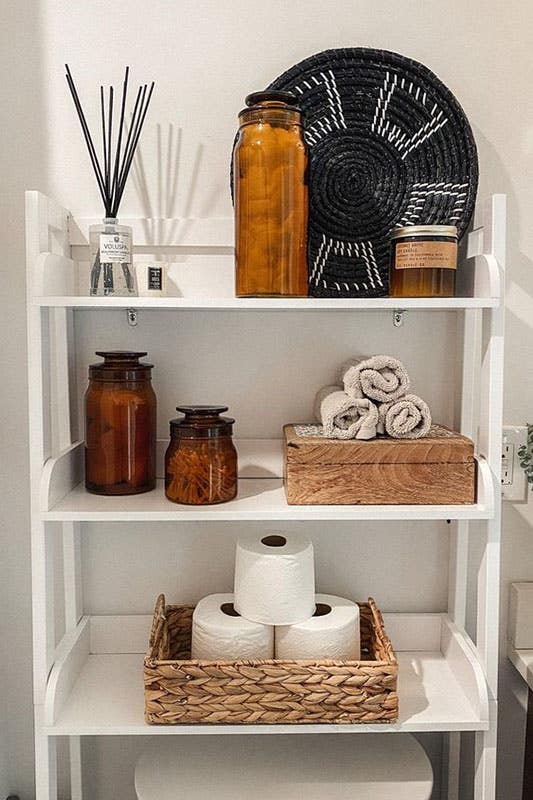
(275, 578)
(331, 633)
(220, 634)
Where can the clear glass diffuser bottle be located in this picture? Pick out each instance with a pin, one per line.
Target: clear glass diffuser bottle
(111, 263)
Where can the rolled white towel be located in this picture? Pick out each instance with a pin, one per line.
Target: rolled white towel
(406, 418)
(381, 378)
(382, 413)
(344, 417)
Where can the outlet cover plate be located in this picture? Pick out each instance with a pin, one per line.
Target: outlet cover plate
(514, 483)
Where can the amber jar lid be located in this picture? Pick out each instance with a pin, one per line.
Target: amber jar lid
(272, 107)
(201, 422)
(287, 98)
(120, 365)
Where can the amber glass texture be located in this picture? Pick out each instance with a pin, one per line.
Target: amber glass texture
(271, 201)
(120, 421)
(201, 460)
(426, 282)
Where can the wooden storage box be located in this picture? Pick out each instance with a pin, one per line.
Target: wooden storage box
(178, 690)
(439, 469)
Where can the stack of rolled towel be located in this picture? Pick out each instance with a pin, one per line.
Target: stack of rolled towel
(373, 399)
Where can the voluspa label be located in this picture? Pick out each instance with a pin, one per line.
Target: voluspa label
(115, 248)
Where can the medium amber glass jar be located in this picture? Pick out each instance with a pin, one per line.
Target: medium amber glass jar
(270, 195)
(120, 412)
(423, 261)
(201, 460)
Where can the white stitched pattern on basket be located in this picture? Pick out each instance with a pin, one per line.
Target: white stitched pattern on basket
(380, 125)
(333, 84)
(371, 262)
(324, 126)
(455, 193)
(362, 251)
(423, 134)
(385, 94)
(321, 258)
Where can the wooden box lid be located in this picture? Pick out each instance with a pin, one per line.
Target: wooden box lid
(305, 445)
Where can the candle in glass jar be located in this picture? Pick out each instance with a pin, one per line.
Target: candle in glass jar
(423, 261)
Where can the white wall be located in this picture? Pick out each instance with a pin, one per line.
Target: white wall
(23, 138)
(205, 56)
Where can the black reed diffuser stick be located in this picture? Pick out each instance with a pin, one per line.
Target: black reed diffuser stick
(116, 167)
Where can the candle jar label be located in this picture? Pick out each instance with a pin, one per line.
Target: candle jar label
(115, 248)
(426, 255)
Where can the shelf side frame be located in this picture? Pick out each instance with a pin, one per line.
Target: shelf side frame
(490, 431)
(48, 232)
(49, 333)
(481, 419)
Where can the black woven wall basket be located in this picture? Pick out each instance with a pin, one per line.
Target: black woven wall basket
(389, 145)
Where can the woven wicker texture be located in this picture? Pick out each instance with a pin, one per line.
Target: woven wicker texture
(389, 146)
(181, 691)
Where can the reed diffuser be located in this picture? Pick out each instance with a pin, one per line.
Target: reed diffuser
(110, 244)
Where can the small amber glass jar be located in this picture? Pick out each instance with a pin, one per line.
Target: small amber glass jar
(201, 460)
(423, 261)
(270, 195)
(120, 418)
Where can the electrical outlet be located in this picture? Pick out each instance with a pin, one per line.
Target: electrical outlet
(514, 483)
(507, 463)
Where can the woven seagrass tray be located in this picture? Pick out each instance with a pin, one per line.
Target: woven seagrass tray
(178, 690)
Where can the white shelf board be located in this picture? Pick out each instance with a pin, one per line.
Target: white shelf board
(258, 499)
(440, 689)
(271, 304)
(523, 661)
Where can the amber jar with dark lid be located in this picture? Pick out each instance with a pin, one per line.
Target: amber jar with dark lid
(120, 421)
(201, 460)
(270, 195)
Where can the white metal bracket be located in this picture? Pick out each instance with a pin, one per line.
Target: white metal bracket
(397, 317)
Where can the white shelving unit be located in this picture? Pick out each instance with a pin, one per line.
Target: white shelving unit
(90, 683)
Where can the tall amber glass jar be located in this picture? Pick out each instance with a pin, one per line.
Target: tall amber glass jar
(120, 439)
(201, 460)
(270, 195)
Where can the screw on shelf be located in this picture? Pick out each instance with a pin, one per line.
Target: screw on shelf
(131, 314)
(397, 317)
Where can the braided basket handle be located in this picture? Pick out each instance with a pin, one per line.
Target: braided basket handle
(158, 621)
(380, 630)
